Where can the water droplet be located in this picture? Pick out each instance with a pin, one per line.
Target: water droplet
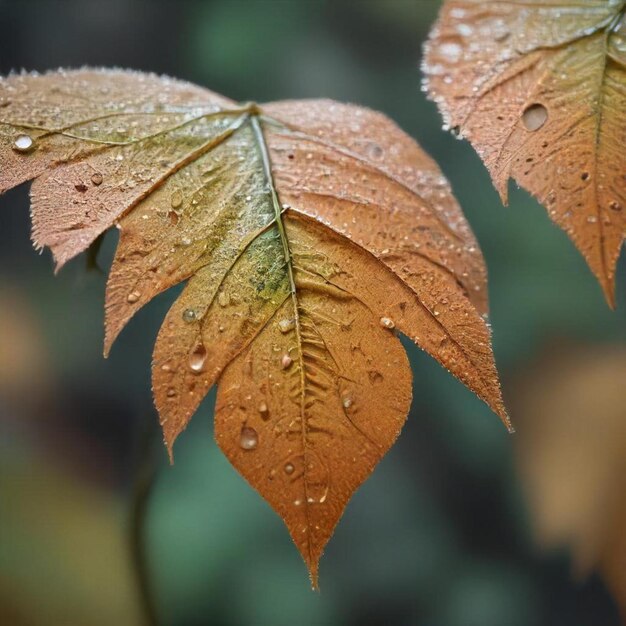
(615, 206)
(592, 219)
(451, 50)
(171, 392)
(286, 325)
(347, 402)
(374, 151)
(23, 143)
(189, 315)
(249, 439)
(133, 296)
(584, 176)
(223, 298)
(289, 468)
(502, 35)
(177, 200)
(97, 178)
(264, 411)
(387, 322)
(197, 358)
(535, 116)
(286, 361)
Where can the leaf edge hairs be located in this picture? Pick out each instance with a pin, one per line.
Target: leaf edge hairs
(539, 90)
(307, 233)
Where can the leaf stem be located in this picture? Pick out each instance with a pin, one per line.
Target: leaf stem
(144, 480)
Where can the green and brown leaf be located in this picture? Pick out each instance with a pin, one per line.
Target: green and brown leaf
(308, 234)
(539, 89)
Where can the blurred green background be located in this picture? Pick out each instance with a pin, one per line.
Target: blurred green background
(440, 535)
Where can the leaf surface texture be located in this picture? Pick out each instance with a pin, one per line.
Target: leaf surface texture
(539, 88)
(307, 234)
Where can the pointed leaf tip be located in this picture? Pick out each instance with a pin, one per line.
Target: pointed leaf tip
(305, 233)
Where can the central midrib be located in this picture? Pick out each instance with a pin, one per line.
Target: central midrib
(267, 169)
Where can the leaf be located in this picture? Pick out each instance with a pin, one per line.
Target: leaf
(307, 232)
(571, 450)
(539, 89)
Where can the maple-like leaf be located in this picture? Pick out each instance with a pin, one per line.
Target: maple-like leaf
(539, 88)
(308, 232)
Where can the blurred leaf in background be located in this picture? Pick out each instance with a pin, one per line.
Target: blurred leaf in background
(571, 453)
(63, 554)
(439, 536)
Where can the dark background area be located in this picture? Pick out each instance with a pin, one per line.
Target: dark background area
(441, 535)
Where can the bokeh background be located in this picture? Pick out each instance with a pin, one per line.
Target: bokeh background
(460, 525)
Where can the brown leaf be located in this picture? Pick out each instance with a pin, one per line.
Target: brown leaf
(307, 232)
(571, 452)
(539, 89)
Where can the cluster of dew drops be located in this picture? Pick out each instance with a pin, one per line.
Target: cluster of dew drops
(249, 438)
(535, 115)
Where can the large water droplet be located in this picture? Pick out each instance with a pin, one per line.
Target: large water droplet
(223, 299)
(374, 151)
(286, 325)
(189, 315)
(23, 143)
(197, 358)
(249, 439)
(289, 468)
(387, 322)
(502, 34)
(452, 51)
(286, 361)
(97, 178)
(133, 296)
(535, 116)
(264, 411)
(177, 200)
